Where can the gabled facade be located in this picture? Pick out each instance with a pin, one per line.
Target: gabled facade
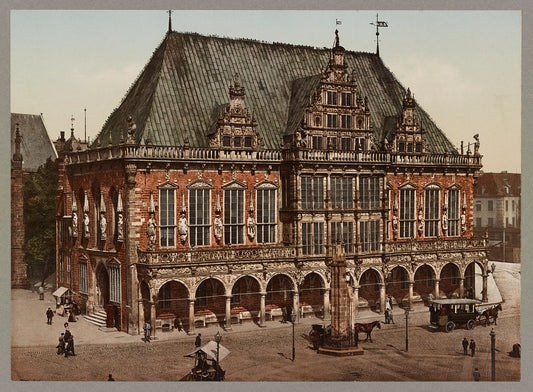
(213, 205)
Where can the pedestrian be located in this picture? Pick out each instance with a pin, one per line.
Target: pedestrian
(198, 341)
(465, 346)
(49, 315)
(472, 346)
(283, 315)
(61, 346)
(110, 377)
(476, 375)
(146, 328)
(387, 316)
(41, 292)
(70, 346)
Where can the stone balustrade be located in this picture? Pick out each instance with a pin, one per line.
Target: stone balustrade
(211, 154)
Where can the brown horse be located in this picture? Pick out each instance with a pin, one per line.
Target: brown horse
(358, 327)
(491, 313)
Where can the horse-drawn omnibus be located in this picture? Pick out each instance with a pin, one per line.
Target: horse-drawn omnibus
(448, 313)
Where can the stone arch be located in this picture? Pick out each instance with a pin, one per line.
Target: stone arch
(246, 296)
(473, 286)
(397, 283)
(210, 297)
(311, 293)
(279, 291)
(369, 282)
(173, 298)
(102, 286)
(424, 281)
(449, 278)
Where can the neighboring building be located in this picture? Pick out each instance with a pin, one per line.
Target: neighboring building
(497, 214)
(215, 190)
(31, 147)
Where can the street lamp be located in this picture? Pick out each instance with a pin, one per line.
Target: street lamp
(493, 353)
(218, 338)
(406, 310)
(293, 319)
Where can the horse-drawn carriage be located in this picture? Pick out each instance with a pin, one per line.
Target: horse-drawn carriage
(448, 313)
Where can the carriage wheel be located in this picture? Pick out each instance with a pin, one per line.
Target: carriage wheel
(470, 324)
(450, 325)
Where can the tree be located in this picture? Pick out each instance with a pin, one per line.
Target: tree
(39, 220)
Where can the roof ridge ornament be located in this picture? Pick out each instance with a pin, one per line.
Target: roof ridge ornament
(169, 12)
(378, 24)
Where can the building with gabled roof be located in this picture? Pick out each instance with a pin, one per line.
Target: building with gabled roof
(215, 190)
(31, 147)
(497, 209)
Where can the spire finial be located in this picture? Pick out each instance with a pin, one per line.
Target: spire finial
(72, 125)
(336, 38)
(169, 20)
(378, 24)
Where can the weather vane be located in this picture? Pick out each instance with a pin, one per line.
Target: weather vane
(378, 24)
(169, 12)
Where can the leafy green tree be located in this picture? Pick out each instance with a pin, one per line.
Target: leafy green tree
(39, 220)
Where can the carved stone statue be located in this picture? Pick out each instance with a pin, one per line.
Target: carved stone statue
(218, 228)
(445, 221)
(120, 227)
(463, 222)
(150, 230)
(395, 224)
(74, 224)
(86, 233)
(476, 144)
(103, 227)
(421, 222)
(250, 227)
(182, 228)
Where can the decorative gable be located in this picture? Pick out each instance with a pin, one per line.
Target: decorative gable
(409, 136)
(236, 129)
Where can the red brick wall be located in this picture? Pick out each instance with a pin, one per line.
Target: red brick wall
(466, 184)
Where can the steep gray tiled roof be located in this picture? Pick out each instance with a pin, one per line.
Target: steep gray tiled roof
(301, 90)
(36, 145)
(187, 79)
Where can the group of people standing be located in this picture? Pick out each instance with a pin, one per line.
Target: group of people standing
(66, 343)
(471, 346)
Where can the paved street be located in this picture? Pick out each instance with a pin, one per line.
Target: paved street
(261, 354)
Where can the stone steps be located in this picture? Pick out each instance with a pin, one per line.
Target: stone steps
(98, 318)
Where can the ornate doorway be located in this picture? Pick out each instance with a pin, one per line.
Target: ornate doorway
(102, 287)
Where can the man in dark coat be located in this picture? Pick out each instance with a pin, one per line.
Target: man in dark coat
(198, 341)
(70, 346)
(465, 346)
(49, 315)
(472, 346)
(146, 328)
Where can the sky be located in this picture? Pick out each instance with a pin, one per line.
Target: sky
(463, 67)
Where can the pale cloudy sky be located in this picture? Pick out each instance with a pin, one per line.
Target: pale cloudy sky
(464, 67)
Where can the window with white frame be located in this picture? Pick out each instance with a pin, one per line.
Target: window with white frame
(114, 284)
(167, 217)
(266, 215)
(341, 192)
(84, 277)
(369, 192)
(312, 235)
(342, 232)
(233, 216)
(431, 212)
(369, 235)
(312, 192)
(200, 216)
(453, 212)
(407, 213)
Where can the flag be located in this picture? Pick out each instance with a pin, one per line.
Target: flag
(382, 24)
(338, 22)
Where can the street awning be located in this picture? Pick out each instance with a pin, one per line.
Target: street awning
(210, 349)
(60, 292)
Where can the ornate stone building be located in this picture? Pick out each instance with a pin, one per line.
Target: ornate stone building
(215, 190)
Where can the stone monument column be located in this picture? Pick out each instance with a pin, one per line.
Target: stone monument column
(191, 316)
(262, 311)
(228, 312)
